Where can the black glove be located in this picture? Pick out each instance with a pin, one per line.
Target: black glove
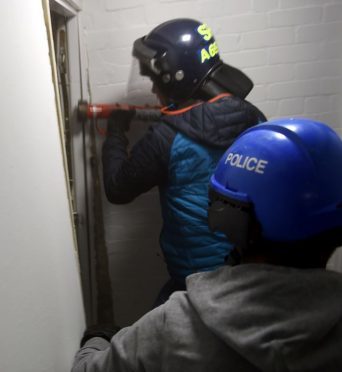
(106, 331)
(119, 121)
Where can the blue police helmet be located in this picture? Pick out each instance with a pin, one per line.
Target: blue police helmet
(289, 172)
(180, 54)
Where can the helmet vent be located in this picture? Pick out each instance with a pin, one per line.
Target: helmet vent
(179, 75)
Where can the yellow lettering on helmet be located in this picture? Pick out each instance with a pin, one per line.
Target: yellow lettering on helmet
(211, 52)
(213, 49)
(204, 55)
(205, 31)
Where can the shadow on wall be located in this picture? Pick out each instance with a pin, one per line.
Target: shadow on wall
(136, 264)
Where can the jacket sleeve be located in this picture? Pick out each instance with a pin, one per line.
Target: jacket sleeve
(135, 348)
(127, 175)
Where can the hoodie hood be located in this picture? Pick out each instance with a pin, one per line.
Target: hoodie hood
(217, 122)
(278, 318)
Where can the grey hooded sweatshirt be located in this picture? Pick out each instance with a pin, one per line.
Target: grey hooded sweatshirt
(251, 317)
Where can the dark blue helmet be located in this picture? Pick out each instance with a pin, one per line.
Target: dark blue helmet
(180, 55)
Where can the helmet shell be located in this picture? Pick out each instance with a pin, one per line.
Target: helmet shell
(291, 171)
(185, 53)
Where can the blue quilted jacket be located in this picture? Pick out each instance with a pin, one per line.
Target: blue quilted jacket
(179, 153)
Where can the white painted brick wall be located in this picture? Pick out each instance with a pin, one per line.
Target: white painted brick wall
(319, 33)
(240, 24)
(121, 4)
(333, 12)
(267, 38)
(295, 105)
(295, 17)
(311, 70)
(265, 5)
(293, 53)
(290, 48)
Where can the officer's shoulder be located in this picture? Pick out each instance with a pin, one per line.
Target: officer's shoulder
(162, 128)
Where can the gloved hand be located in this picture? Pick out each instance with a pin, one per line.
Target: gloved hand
(106, 331)
(119, 121)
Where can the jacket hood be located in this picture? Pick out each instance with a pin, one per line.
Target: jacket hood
(217, 122)
(278, 318)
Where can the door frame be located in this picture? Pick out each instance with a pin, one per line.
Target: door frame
(82, 217)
